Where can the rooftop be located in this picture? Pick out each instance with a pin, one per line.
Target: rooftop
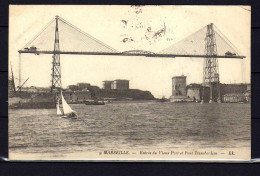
(121, 80)
(179, 76)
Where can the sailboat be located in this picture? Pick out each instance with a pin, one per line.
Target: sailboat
(66, 112)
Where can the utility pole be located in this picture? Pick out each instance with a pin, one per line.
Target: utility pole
(56, 70)
(210, 70)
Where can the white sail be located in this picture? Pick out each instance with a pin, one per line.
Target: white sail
(66, 108)
(58, 109)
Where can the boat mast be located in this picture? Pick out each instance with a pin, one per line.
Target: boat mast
(13, 84)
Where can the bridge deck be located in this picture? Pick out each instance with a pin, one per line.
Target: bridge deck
(128, 54)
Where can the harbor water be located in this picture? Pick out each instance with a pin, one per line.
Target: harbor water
(129, 125)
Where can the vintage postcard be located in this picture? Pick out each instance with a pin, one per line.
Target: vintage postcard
(138, 83)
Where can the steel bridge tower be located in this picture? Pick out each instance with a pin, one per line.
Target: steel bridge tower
(210, 68)
(56, 70)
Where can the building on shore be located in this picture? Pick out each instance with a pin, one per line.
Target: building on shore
(178, 89)
(235, 93)
(234, 98)
(107, 85)
(82, 86)
(179, 86)
(198, 92)
(194, 92)
(73, 87)
(229, 93)
(248, 93)
(78, 96)
(118, 84)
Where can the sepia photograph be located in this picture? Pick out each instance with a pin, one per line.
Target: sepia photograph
(129, 83)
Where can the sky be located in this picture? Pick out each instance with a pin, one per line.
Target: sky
(108, 24)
